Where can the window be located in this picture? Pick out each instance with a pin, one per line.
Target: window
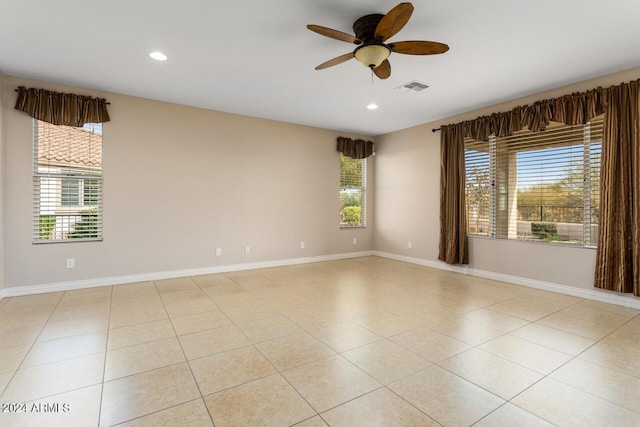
(538, 186)
(67, 182)
(353, 178)
(78, 191)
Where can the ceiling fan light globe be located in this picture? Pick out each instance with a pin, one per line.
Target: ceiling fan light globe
(372, 55)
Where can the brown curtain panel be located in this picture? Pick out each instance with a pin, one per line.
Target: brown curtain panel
(453, 225)
(61, 108)
(356, 149)
(618, 256)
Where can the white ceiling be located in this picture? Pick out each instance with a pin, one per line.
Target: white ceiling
(257, 58)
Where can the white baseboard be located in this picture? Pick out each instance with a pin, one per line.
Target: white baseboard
(15, 291)
(592, 294)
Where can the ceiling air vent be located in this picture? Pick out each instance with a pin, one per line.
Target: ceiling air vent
(412, 86)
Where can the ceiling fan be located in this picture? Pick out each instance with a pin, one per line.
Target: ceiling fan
(371, 32)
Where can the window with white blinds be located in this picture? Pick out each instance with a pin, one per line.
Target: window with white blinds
(353, 179)
(537, 186)
(67, 182)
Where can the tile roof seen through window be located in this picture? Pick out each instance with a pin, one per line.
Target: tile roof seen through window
(69, 146)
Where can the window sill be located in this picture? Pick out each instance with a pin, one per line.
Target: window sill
(533, 242)
(51, 242)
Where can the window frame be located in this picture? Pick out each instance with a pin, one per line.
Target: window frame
(362, 189)
(495, 229)
(57, 218)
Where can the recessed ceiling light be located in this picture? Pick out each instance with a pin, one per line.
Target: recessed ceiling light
(158, 56)
(372, 106)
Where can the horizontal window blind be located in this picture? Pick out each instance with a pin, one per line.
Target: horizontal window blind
(353, 178)
(478, 192)
(542, 186)
(67, 183)
(592, 190)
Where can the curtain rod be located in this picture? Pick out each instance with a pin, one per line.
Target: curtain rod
(16, 90)
(434, 130)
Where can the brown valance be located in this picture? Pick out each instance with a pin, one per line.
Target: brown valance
(356, 149)
(61, 108)
(574, 109)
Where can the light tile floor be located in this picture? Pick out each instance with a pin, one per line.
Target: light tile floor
(359, 342)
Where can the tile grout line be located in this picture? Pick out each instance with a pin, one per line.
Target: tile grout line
(408, 402)
(186, 360)
(506, 401)
(156, 412)
(278, 372)
(104, 366)
(548, 375)
(31, 346)
(332, 292)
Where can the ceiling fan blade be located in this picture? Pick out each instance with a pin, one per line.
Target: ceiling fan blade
(335, 61)
(334, 34)
(393, 21)
(418, 47)
(383, 71)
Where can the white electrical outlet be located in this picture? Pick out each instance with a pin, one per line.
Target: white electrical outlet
(355, 240)
(218, 251)
(410, 244)
(302, 245)
(247, 250)
(71, 263)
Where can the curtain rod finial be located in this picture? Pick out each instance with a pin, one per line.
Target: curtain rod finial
(434, 130)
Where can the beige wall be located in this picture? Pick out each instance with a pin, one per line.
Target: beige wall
(2, 184)
(180, 182)
(407, 204)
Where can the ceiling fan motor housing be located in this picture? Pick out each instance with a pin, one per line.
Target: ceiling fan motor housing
(372, 51)
(365, 27)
